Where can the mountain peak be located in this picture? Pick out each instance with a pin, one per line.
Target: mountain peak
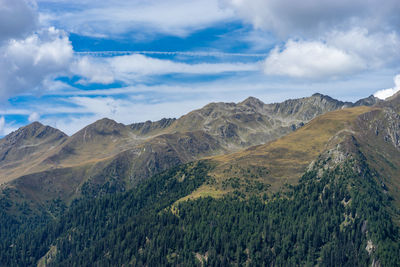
(106, 121)
(318, 95)
(324, 97)
(368, 101)
(104, 126)
(252, 102)
(35, 124)
(32, 127)
(25, 144)
(33, 130)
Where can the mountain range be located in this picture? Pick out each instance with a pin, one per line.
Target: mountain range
(338, 162)
(109, 154)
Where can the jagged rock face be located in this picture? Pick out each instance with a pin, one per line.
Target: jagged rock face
(383, 124)
(343, 147)
(305, 109)
(389, 127)
(253, 122)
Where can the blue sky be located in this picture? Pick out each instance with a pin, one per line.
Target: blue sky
(67, 63)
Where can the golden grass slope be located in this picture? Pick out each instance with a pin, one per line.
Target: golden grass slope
(279, 162)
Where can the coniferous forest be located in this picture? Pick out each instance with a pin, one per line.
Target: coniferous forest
(340, 219)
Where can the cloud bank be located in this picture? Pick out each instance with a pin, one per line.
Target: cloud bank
(292, 18)
(117, 17)
(129, 68)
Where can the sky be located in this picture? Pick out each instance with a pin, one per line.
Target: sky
(68, 63)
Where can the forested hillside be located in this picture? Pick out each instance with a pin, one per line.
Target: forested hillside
(340, 217)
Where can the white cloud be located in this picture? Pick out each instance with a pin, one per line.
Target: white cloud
(115, 17)
(132, 67)
(377, 49)
(336, 54)
(332, 37)
(383, 94)
(310, 60)
(315, 17)
(17, 18)
(33, 117)
(2, 125)
(93, 70)
(26, 63)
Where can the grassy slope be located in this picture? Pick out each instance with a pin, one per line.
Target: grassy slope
(23, 149)
(281, 161)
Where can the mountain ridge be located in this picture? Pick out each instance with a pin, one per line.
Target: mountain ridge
(94, 152)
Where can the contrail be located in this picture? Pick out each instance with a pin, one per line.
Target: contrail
(170, 53)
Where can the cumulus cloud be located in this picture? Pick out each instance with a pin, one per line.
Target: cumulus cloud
(93, 70)
(115, 17)
(136, 66)
(312, 17)
(310, 60)
(34, 116)
(383, 94)
(26, 63)
(17, 18)
(377, 49)
(336, 54)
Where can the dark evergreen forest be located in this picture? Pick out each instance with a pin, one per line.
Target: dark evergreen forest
(328, 220)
